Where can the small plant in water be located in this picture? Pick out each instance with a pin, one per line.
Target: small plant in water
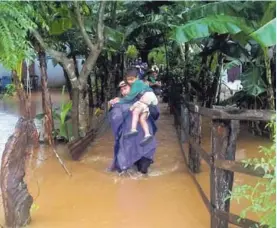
(62, 115)
(262, 195)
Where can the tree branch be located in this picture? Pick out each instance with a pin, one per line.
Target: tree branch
(60, 57)
(100, 25)
(93, 55)
(82, 27)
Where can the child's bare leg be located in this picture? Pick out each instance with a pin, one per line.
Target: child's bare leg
(135, 119)
(144, 124)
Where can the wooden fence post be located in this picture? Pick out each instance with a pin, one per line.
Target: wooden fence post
(195, 134)
(184, 124)
(224, 137)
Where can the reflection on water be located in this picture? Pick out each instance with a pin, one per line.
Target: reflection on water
(7, 123)
(93, 197)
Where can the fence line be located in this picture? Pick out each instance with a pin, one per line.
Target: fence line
(221, 159)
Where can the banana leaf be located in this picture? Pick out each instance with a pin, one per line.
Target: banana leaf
(230, 8)
(252, 81)
(64, 111)
(204, 27)
(266, 35)
(269, 13)
(113, 37)
(232, 64)
(213, 8)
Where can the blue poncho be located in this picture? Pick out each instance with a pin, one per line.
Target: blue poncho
(128, 151)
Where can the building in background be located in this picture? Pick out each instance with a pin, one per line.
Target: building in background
(55, 73)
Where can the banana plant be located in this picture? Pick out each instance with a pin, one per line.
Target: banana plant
(62, 115)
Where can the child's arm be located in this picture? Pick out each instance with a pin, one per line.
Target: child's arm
(130, 97)
(136, 88)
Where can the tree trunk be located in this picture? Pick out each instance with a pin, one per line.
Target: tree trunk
(219, 90)
(270, 92)
(68, 84)
(75, 113)
(46, 100)
(91, 83)
(166, 55)
(25, 106)
(95, 46)
(17, 201)
(122, 65)
(202, 76)
(273, 74)
(75, 65)
(97, 89)
(103, 79)
(213, 88)
(83, 112)
(69, 67)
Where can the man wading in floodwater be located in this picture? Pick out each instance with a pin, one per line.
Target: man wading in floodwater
(127, 151)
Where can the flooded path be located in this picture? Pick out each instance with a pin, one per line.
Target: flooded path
(93, 197)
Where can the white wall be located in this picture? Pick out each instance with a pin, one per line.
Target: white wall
(4, 72)
(55, 73)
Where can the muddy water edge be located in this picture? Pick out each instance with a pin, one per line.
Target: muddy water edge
(92, 197)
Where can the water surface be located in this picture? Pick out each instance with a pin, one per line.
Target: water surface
(92, 197)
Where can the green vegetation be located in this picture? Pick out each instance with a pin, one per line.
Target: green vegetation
(9, 90)
(132, 52)
(62, 115)
(192, 42)
(262, 195)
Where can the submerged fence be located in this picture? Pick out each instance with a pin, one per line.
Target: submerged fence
(221, 159)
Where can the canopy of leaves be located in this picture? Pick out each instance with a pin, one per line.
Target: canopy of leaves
(15, 24)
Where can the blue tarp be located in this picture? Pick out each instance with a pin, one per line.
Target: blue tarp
(128, 151)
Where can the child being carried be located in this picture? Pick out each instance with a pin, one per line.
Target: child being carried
(140, 109)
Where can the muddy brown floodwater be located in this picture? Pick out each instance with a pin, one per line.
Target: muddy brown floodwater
(93, 197)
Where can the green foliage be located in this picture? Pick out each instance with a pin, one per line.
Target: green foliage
(15, 24)
(252, 81)
(269, 12)
(158, 55)
(232, 18)
(266, 35)
(262, 195)
(132, 52)
(204, 27)
(114, 38)
(61, 21)
(10, 90)
(62, 115)
(211, 9)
